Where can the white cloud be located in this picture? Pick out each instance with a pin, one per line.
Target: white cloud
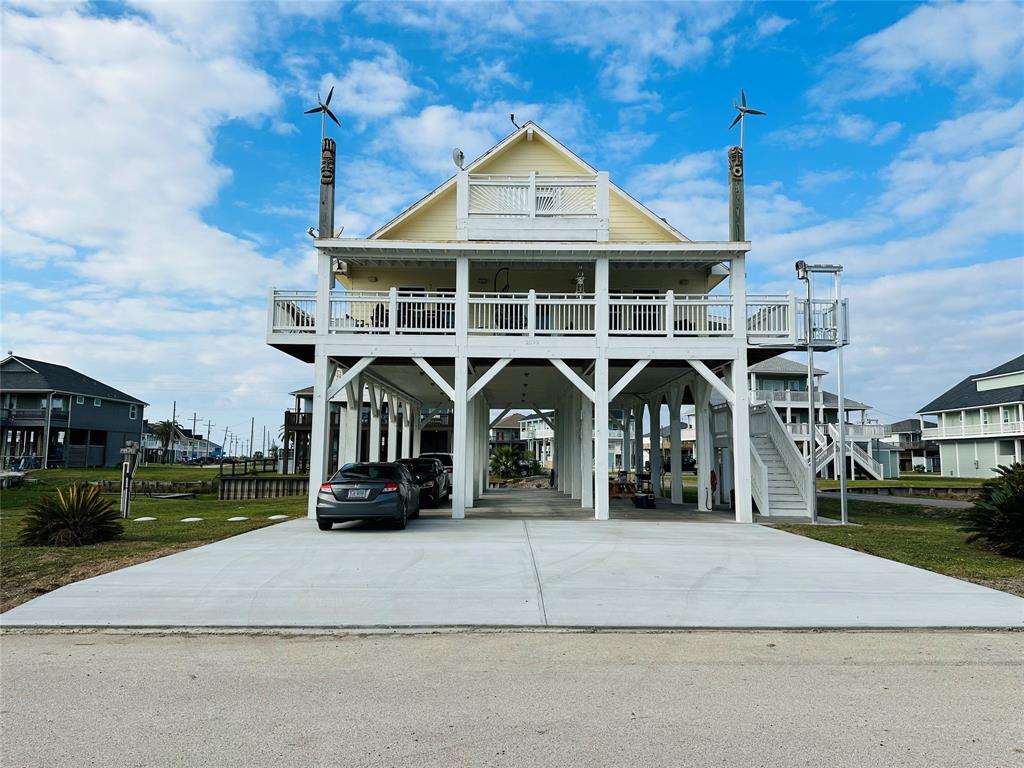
(484, 77)
(973, 43)
(373, 88)
(973, 132)
(819, 127)
(771, 24)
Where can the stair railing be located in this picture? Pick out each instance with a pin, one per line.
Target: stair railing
(866, 460)
(759, 482)
(791, 456)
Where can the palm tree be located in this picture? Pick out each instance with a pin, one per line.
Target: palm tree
(165, 431)
(505, 461)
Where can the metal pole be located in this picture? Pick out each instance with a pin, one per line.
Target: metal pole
(174, 428)
(252, 428)
(843, 511)
(812, 443)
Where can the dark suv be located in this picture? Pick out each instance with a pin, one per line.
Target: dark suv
(434, 482)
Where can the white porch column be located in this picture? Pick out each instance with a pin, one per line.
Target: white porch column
(638, 436)
(353, 420)
(342, 434)
(600, 440)
(408, 419)
(392, 428)
(589, 419)
(374, 437)
(703, 447)
(741, 440)
(415, 431)
(469, 475)
(319, 439)
(575, 444)
(725, 481)
(675, 397)
(627, 445)
(561, 446)
(654, 407)
(459, 433)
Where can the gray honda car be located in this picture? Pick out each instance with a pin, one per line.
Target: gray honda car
(378, 491)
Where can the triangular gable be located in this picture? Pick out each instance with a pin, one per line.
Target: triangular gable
(432, 218)
(12, 364)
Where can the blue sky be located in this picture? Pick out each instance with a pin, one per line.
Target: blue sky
(159, 174)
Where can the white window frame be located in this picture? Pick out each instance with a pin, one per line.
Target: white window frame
(133, 411)
(96, 402)
(79, 399)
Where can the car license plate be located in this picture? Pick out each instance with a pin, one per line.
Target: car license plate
(358, 493)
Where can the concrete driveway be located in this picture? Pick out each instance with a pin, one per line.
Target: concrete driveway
(522, 573)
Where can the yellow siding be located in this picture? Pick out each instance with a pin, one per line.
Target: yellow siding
(628, 225)
(435, 222)
(525, 156)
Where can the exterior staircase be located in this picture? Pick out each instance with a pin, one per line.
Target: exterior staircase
(780, 474)
(784, 496)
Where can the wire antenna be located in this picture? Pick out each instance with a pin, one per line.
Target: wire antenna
(324, 108)
(743, 111)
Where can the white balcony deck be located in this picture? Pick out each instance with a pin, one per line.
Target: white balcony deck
(770, 320)
(974, 430)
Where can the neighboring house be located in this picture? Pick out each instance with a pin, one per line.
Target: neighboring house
(529, 280)
(913, 452)
(538, 434)
(62, 418)
(184, 446)
(980, 421)
(506, 431)
(431, 432)
(782, 383)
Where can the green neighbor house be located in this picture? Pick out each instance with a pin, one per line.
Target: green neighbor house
(980, 421)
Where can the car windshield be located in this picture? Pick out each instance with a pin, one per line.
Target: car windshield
(442, 457)
(368, 472)
(421, 466)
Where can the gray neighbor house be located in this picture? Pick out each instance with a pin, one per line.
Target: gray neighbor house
(54, 416)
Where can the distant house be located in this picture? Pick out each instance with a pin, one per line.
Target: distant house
(506, 431)
(57, 417)
(980, 421)
(913, 452)
(184, 446)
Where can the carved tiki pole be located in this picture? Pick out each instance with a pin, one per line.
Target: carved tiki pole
(327, 153)
(736, 228)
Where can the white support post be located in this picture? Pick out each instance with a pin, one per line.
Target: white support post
(741, 440)
(484, 431)
(408, 421)
(562, 449)
(627, 452)
(342, 433)
(657, 468)
(392, 428)
(392, 310)
(588, 427)
(373, 454)
(670, 313)
(675, 396)
(462, 205)
(532, 203)
(601, 500)
(319, 439)
(725, 482)
(704, 450)
(638, 435)
(531, 313)
(602, 206)
(353, 420)
(468, 478)
(415, 431)
(459, 432)
(577, 431)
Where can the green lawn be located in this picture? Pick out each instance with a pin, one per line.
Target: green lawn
(26, 572)
(907, 481)
(149, 472)
(926, 537)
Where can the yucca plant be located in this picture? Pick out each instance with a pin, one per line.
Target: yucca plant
(997, 517)
(74, 516)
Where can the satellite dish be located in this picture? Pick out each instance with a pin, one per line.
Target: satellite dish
(458, 158)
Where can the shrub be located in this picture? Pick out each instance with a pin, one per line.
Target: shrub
(505, 461)
(76, 515)
(997, 517)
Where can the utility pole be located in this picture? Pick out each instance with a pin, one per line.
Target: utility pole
(192, 453)
(209, 435)
(252, 428)
(174, 428)
(224, 446)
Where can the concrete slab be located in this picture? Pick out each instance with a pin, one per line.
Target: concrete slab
(522, 573)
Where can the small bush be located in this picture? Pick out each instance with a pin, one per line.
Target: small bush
(997, 517)
(76, 515)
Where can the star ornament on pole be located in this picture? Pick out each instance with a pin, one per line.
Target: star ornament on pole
(743, 111)
(324, 108)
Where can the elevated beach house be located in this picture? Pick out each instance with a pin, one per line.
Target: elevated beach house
(529, 280)
(980, 421)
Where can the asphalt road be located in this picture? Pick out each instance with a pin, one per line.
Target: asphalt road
(515, 699)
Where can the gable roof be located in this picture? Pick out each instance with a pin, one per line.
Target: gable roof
(533, 131)
(783, 365)
(20, 374)
(512, 420)
(965, 394)
(910, 425)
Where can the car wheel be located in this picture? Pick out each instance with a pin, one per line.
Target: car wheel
(324, 525)
(404, 519)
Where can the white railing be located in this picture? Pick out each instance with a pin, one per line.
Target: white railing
(862, 457)
(293, 312)
(853, 431)
(784, 396)
(532, 196)
(830, 322)
(771, 316)
(973, 430)
(759, 482)
(393, 311)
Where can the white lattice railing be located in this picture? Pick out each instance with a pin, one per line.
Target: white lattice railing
(532, 195)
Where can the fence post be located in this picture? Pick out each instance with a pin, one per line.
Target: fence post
(670, 319)
(392, 310)
(531, 313)
(533, 194)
